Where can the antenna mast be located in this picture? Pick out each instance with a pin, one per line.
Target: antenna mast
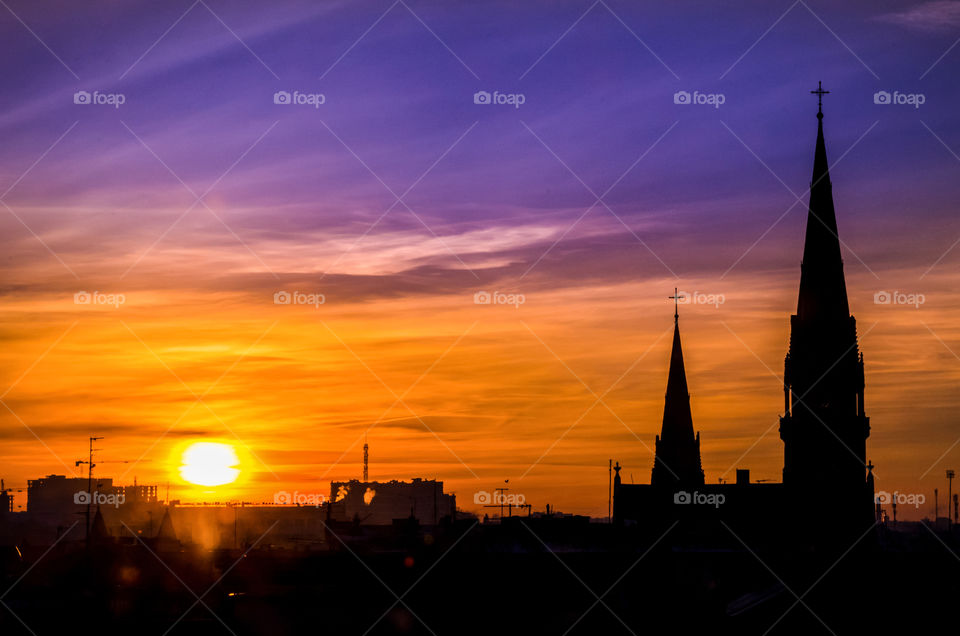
(90, 466)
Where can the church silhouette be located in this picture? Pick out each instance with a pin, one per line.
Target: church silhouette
(824, 427)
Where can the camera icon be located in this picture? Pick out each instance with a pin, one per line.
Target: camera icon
(681, 497)
(82, 498)
(481, 97)
(282, 498)
(281, 97)
(82, 298)
(882, 298)
(281, 298)
(882, 97)
(681, 97)
(882, 497)
(481, 298)
(81, 97)
(482, 498)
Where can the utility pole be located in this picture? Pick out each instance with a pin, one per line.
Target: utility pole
(609, 491)
(90, 466)
(950, 475)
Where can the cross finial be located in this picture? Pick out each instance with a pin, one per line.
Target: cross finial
(676, 304)
(819, 93)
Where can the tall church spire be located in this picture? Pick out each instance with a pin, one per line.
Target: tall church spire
(677, 460)
(823, 292)
(824, 428)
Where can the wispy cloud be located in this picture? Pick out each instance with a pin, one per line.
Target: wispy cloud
(940, 15)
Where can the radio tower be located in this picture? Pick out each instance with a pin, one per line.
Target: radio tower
(366, 460)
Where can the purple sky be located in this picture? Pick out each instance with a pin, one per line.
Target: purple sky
(399, 99)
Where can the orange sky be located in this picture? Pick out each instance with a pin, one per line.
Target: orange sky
(447, 389)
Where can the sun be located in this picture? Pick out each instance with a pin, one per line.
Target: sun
(209, 464)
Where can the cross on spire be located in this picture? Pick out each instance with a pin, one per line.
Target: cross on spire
(676, 304)
(819, 93)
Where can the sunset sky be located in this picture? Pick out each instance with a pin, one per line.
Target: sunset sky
(198, 199)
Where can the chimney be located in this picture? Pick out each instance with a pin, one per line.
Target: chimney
(743, 476)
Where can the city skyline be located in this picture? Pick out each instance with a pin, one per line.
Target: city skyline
(511, 198)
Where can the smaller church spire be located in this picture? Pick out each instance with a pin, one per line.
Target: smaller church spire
(677, 460)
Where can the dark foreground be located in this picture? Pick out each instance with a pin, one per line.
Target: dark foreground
(478, 580)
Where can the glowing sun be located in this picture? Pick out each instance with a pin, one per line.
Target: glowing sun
(209, 464)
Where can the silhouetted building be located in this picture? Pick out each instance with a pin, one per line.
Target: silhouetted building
(58, 500)
(6, 501)
(380, 502)
(56, 503)
(824, 428)
(677, 491)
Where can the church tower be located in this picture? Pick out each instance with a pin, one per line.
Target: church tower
(824, 428)
(677, 460)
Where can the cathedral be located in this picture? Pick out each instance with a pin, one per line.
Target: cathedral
(823, 427)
